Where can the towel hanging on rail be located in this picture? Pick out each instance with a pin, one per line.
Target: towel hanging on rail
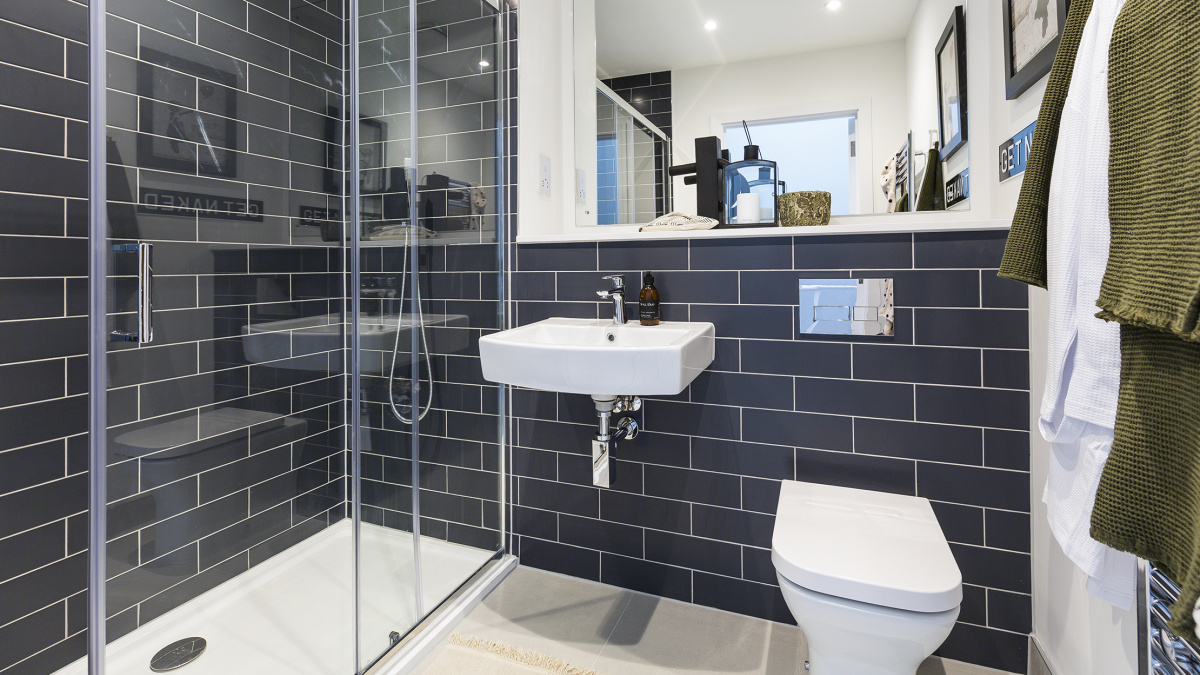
(1080, 402)
(932, 196)
(1148, 500)
(1025, 253)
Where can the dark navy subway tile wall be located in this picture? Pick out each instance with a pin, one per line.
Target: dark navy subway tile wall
(939, 411)
(43, 274)
(649, 94)
(459, 271)
(246, 457)
(247, 453)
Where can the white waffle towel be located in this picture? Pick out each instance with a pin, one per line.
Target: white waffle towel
(1083, 372)
(676, 220)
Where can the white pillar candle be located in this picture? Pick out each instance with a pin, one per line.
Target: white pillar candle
(749, 208)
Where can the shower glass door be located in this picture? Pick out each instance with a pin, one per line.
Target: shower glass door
(389, 599)
(457, 196)
(301, 458)
(430, 269)
(226, 467)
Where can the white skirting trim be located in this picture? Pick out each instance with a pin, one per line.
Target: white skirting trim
(1038, 664)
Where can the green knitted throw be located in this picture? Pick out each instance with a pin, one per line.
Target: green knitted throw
(1153, 274)
(1148, 502)
(1025, 253)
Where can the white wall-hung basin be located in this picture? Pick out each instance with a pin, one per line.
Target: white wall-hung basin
(598, 357)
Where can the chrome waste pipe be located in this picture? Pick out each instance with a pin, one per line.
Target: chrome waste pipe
(607, 437)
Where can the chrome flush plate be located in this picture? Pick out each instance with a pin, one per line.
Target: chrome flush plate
(178, 654)
(847, 307)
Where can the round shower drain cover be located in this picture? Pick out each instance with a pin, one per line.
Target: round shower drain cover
(178, 654)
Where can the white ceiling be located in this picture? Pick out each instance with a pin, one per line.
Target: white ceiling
(643, 36)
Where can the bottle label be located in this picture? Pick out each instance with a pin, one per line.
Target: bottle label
(648, 310)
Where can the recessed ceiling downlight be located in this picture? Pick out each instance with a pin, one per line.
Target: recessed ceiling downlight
(833, 5)
(710, 25)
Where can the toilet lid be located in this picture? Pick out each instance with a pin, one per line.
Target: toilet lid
(872, 547)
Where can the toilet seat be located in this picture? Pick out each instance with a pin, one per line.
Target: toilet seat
(872, 547)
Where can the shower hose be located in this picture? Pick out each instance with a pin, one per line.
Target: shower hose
(423, 344)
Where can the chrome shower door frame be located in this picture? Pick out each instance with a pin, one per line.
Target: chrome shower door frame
(97, 333)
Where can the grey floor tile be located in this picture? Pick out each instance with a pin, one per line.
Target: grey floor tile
(657, 635)
(936, 666)
(619, 632)
(557, 615)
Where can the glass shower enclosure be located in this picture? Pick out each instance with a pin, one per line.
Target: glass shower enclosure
(296, 246)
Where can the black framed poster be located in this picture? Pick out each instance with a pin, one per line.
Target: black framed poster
(1032, 31)
(951, 60)
(187, 125)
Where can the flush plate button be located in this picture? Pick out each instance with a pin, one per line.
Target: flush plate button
(846, 307)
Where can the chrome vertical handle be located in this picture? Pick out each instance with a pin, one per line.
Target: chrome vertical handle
(145, 291)
(145, 315)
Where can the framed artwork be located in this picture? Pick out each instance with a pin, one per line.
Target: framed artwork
(1032, 30)
(187, 125)
(372, 139)
(951, 59)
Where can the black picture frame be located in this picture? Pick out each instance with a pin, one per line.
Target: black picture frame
(952, 114)
(1018, 79)
(190, 130)
(372, 155)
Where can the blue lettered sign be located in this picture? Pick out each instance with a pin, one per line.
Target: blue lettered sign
(1014, 153)
(958, 188)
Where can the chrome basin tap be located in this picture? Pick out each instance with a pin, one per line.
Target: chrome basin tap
(617, 295)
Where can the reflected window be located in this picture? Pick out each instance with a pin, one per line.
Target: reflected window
(814, 152)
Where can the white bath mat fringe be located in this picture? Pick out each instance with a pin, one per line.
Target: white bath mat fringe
(487, 657)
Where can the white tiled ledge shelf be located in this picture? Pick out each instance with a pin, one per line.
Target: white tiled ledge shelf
(882, 224)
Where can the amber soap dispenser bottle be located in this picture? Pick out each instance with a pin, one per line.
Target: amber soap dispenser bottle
(648, 311)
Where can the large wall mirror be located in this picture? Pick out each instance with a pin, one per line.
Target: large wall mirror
(862, 99)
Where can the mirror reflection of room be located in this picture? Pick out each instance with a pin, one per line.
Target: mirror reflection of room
(840, 108)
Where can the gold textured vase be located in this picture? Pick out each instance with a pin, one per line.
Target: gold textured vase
(797, 209)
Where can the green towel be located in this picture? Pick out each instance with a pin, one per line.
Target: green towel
(1025, 253)
(1153, 274)
(932, 196)
(1148, 502)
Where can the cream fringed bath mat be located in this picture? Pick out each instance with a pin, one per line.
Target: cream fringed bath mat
(476, 656)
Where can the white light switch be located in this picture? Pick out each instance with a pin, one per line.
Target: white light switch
(580, 187)
(544, 175)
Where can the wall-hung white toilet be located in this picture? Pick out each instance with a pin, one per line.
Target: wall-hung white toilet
(867, 575)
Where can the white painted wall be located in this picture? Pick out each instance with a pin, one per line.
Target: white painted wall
(584, 22)
(1007, 117)
(928, 22)
(802, 84)
(1078, 634)
(545, 113)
